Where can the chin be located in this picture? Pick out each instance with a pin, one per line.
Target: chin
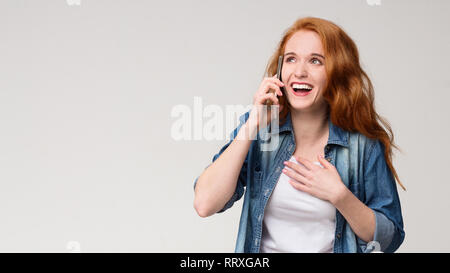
(301, 109)
(301, 105)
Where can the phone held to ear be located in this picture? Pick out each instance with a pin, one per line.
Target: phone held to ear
(279, 68)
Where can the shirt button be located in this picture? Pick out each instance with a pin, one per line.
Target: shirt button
(338, 235)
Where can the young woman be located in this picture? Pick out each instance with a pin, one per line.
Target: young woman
(330, 184)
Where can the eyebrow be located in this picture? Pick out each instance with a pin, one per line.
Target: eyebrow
(312, 54)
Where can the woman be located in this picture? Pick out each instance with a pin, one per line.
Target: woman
(330, 184)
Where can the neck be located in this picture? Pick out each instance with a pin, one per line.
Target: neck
(310, 127)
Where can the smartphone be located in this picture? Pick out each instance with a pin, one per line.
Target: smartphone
(279, 69)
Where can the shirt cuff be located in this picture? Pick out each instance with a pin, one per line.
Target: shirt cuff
(384, 230)
(384, 233)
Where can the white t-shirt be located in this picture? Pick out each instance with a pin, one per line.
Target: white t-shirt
(295, 221)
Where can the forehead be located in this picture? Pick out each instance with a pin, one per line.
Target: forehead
(304, 42)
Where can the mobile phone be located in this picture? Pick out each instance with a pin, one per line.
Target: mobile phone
(279, 69)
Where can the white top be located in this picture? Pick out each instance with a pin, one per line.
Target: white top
(295, 221)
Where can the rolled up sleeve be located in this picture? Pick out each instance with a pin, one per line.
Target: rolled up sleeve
(380, 194)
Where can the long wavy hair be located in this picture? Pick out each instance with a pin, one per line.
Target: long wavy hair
(348, 92)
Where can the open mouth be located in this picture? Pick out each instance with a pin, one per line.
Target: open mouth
(301, 89)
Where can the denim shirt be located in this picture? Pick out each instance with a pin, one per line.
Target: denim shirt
(361, 165)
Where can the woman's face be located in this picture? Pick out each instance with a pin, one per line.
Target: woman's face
(304, 62)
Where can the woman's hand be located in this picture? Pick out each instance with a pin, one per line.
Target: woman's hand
(264, 93)
(324, 183)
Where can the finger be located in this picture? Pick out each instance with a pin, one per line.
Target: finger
(271, 85)
(295, 175)
(299, 168)
(324, 162)
(279, 92)
(306, 163)
(272, 79)
(275, 87)
(299, 186)
(269, 96)
(276, 80)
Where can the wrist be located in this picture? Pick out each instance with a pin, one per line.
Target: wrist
(341, 195)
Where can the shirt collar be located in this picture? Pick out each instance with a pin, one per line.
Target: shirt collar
(336, 134)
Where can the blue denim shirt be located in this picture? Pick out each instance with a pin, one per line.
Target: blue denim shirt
(361, 165)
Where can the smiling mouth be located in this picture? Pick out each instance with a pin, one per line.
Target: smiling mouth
(301, 87)
(302, 90)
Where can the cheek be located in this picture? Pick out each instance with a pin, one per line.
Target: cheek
(320, 78)
(285, 74)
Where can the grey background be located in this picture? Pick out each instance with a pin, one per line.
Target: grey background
(86, 93)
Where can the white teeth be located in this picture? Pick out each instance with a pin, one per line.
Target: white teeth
(301, 86)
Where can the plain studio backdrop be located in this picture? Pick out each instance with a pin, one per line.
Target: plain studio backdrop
(88, 161)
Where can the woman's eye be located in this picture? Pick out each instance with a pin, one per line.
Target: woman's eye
(314, 60)
(288, 59)
(318, 61)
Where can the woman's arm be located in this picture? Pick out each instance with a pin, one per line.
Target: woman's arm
(360, 217)
(378, 217)
(217, 184)
(380, 195)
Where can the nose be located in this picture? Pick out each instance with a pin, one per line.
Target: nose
(301, 70)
